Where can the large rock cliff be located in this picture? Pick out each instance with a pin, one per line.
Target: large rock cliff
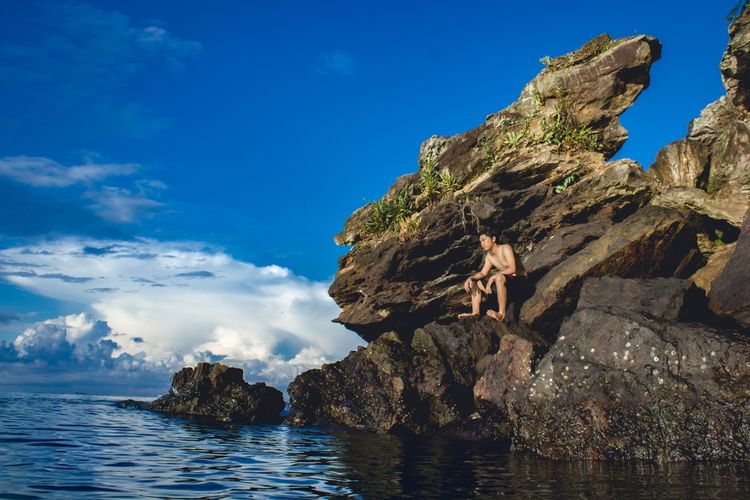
(611, 252)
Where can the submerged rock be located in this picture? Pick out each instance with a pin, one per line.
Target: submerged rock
(218, 392)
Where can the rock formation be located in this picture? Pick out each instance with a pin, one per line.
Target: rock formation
(610, 350)
(217, 392)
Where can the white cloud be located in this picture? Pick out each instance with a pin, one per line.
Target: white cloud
(116, 204)
(267, 320)
(111, 203)
(43, 172)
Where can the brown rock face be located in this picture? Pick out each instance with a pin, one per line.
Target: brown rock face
(666, 298)
(681, 163)
(705, 276)
(730, 292)
(709, 169)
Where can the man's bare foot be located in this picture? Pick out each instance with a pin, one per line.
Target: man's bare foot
(496, 315)
(467, 315)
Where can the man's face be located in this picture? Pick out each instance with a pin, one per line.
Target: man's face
(485, 242)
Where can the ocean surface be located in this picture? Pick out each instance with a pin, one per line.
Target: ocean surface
(77, 446)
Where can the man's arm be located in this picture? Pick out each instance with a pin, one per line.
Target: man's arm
(480, 275)
(484, 272)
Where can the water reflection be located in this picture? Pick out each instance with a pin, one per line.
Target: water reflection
(85, 446)
(386, 466)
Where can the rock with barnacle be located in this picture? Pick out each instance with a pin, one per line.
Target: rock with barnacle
(623, 384)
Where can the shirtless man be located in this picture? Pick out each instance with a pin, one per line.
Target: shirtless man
(500, 257)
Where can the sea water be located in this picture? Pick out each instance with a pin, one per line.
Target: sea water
(78, 446)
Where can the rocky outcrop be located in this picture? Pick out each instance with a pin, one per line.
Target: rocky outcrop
(609, 351)
(713, 159)
(735, 65)
(218, 392)
(564, 124)
(623, 383)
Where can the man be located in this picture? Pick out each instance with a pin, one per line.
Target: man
(497, 256)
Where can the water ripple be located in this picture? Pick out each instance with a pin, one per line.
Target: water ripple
(63, 446)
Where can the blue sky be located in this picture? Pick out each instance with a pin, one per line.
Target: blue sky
(176, 170)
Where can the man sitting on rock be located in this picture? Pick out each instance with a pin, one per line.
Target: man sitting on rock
(500, 257)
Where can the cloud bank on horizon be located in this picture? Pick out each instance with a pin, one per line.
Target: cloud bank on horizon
(151, 306)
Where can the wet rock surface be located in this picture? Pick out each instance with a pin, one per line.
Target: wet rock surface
(609, 350)
(216, 392)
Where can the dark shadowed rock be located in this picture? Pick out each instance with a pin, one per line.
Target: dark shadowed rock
(653, 242)
(730, 292)
(619, 385)
(422, 385)
(666, 298)
(218, 392)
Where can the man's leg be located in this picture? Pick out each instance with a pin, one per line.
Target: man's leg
(476, 300)
(502, 298)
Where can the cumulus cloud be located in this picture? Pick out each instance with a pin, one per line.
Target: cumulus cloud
(205, 305)
(75, 352)
(44, 172)
(336, 62)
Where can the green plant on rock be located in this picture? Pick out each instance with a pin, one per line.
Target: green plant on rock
(514, 138)
(538, 97)
(719, 237)
(436, 184)
(388, 212)
(546, 60)
(411, 227)
(447, 183)
(567, 181)
(490, 153)
(564, 130)
(430, 178)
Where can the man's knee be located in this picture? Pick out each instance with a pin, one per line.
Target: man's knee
(500, 279)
